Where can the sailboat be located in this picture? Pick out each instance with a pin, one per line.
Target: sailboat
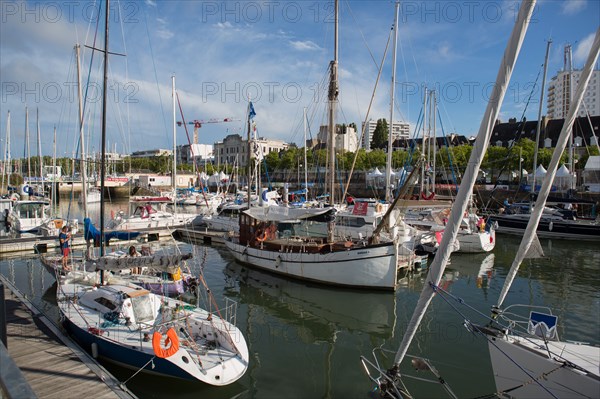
(390, 381)
(267, 238)
(146, 216)
(127, 324)
(547, 365)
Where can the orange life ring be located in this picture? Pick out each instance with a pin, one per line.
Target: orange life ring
(262, 237)
(172, 343)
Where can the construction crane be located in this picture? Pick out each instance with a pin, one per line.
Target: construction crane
(198, 124)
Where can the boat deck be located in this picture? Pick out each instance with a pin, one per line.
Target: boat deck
(53, 366)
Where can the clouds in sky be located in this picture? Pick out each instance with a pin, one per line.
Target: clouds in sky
(277, 54)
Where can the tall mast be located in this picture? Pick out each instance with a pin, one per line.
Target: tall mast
(424, 142)
(82, 165)
(305, 161)
(28, 154)
(388, 167)
(569, 68)
(248, 165)
(539, 121)
(7, 161)
(333, 96)
(432, 116)
(39, 147)
(174, 140)
(103, 146)
(54, 185)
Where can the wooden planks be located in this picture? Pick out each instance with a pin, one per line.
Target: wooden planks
(53, 369)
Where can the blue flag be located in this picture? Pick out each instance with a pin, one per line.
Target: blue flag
(251, 114)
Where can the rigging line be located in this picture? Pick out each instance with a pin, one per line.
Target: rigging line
(364, 125)
(361, 34)
(473, 328)
(155, 73)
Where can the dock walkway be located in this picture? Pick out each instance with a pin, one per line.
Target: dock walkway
(51, 363)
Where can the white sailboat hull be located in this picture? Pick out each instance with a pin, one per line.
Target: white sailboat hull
(373, 267)
(563, 382)
(155, 220)
(476, 242)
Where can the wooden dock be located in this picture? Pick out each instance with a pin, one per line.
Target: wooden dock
(40, 244)
(51, 363)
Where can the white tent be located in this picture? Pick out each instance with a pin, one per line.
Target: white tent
(540, 171)
(563, 178)
(375, 174)
(563, 172)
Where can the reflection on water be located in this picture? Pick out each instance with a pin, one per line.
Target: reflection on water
(306, 340)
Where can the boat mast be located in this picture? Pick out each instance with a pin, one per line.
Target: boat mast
(248, 165)
(28, 155)
(424, 142)
(54, 182)
(333, 96)
(539, 122)
(103, 145)
(7, 161)
(388, 167)
(529, 234)
(39, 148)
(432, 115)
(305, 162)
(568, 59)
(82, 165)
(438, 265)
(174, 143)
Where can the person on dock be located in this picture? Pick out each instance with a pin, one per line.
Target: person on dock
(63, 239)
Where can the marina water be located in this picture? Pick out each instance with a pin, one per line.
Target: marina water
(305, 340)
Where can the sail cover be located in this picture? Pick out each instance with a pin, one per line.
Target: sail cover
(168, 263)
(90, 232)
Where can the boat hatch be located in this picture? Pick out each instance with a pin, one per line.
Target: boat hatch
(142, 308)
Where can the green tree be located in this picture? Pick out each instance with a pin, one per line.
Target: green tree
(380, 135)
(272, 160)
(376, 159)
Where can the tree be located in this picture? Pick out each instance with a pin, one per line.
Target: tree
(380, 135)
(272, 160)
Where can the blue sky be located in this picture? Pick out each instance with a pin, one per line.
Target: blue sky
(276, 52)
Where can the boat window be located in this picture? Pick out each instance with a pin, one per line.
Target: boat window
(107, 303)
(142, 308)
(351, 221)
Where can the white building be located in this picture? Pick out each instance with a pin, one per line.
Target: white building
(345, 138)
(400, 130)
(201, 152)
(234, 150)
(562, 88)
(152, 153)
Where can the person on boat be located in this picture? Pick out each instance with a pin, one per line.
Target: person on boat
(63, 239)
(132, 252)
